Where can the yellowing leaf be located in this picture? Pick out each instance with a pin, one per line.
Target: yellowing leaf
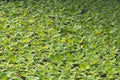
(25, 40)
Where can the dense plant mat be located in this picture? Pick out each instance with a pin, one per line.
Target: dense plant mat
(60, 40)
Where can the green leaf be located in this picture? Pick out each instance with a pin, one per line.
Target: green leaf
(12, 58)
(32, 78)
(4, 76)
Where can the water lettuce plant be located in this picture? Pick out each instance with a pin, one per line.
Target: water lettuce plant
(60, 40)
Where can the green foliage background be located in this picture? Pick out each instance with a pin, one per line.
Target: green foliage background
(60, 40)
